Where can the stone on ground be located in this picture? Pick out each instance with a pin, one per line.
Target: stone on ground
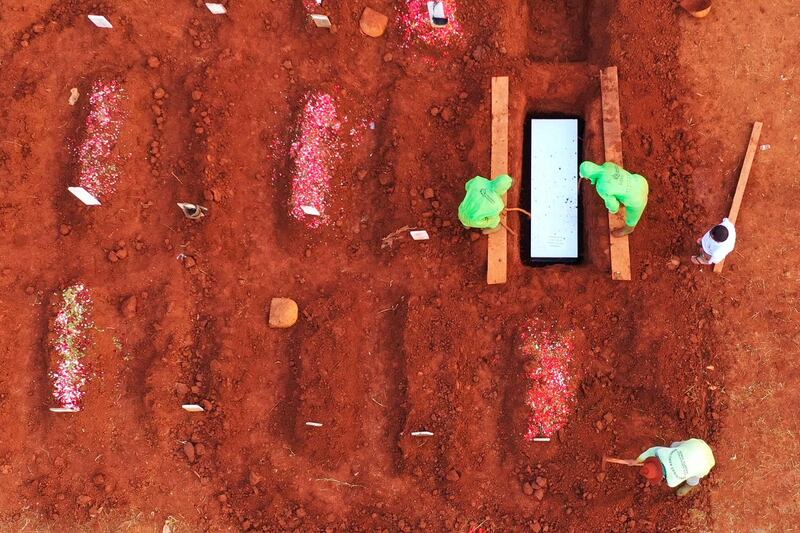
(282, 313)
(373, 23)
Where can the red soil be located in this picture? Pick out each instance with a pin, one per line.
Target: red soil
(390, 340)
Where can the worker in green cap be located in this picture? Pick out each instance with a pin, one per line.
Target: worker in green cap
(483, 203)
(616, 186)
(683, 464)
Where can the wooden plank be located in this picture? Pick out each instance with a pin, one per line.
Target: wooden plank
(744, 175)
(497, 251)
(612, 141)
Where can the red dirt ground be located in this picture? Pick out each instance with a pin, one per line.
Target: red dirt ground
(390, 340)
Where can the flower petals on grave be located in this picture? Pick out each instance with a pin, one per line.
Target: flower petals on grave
(98, 172)
(551, 396)
(415, 24)
(71, 329)
(314, 151)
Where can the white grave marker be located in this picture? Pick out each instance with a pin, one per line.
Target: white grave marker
(310, 210)
(84, 196)
(437, 14)
(419, 235)
(421, 434)
(100, 21)
(217, 9)
(314, 424)
(63, 410)
(321, 21)
(192, 408)
(541, 439)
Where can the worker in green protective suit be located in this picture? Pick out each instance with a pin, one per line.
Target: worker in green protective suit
(616, 186)
(483, 202)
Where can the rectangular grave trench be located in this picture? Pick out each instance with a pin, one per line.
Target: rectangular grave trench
(558, 30)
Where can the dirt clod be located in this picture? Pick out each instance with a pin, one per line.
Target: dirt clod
(188, 451)
(129, 306)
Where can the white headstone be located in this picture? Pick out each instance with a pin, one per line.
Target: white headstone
(314, 424)
(541, 439)
(84, 196)
(63, 410)
(192, 408)
(419, 235)
(421, 434)
(321, 21)
(100, 21)
(217, 9)
(310, 210)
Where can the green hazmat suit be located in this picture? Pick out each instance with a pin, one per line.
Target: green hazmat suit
(616, 186)
(483, 202)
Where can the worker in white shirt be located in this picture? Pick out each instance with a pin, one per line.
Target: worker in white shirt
(717, 243)
(682, 464)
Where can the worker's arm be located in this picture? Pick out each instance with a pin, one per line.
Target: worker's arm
(612, 204)
(651, 452)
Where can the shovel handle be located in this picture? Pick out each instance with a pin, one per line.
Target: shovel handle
(626, 462)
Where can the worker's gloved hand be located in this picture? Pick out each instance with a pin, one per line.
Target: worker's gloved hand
(483, 202)
(685, 489)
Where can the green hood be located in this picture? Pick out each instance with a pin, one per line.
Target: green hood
(590, 171)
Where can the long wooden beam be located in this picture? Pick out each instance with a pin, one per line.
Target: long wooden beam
(744, 175)
(612, 140)
(497, 251)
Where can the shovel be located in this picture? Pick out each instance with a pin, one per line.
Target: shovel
(626, 462)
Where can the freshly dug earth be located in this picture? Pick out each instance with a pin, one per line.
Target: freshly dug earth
(390, 340)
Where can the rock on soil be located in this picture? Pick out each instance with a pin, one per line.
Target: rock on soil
(181, 389)
(373, 23)
(282, 313)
